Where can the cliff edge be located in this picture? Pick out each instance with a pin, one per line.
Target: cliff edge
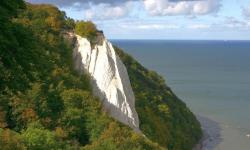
(109, 78)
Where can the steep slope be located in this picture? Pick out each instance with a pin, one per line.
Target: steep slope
(44, 103)
(109, 79)
(164, 118)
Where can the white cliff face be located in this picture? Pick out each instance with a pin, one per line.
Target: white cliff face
(109, 78)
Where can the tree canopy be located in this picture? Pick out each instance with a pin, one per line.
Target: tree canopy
(46, 104)
(86, 29)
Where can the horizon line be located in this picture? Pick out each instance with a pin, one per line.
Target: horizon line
(181, 39)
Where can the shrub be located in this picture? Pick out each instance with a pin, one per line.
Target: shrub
(86, 29)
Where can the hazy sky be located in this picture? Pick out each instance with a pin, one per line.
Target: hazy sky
(163, 19)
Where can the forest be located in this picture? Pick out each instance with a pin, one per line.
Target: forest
(46, 104)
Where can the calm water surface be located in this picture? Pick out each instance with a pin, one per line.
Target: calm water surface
(212, 77)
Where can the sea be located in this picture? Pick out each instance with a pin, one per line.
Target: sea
(211, 77)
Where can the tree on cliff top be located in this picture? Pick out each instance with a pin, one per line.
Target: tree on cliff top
(86, 29)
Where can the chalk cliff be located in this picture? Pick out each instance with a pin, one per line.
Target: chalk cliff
(110, 79)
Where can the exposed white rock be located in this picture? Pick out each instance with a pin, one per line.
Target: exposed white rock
(109, 78)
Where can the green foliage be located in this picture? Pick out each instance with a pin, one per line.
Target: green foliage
(44, 103)
(9, 9)
(159, 108)
(86, 29)
(37, 138)
(120, 137)
(10, 140)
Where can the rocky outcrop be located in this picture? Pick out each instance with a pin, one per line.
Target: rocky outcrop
(109, 79)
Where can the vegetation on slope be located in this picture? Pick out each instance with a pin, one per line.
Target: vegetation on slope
(86, 29)
(44, 103)
(164, 118)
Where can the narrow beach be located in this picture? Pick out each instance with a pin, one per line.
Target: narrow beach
(211, 134)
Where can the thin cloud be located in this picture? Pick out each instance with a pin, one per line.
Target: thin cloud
(158, 26)
(232, 22)
(246, 12)
(94, 9)
(149, 26)
(72, 3)
(199, 26)
(170, 7)
(106, 11)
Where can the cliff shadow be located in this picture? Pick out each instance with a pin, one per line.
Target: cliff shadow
(111, 109)
(77, 59)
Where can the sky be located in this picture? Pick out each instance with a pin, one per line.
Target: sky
(163, 19)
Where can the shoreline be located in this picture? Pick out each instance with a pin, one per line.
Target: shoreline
(211, 134)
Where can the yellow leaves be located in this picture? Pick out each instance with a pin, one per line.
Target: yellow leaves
(34, 91)
(135, 137)
(3, 122)
(170, 93)
(51, 40)
(46, 121)
(157, 98)
(163, 108)
(159, 126)
(86, 29)
(10, 141)
(23, 21)
(60, 133)
(57, 72)
(124, 138)
(54, 23)
(28, 115)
